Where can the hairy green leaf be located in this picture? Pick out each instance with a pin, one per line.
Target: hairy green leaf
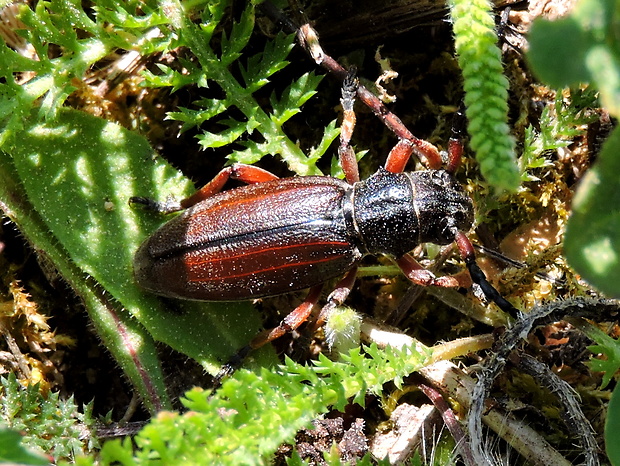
(592, 241)
(581, 48)
(12, 451)
(82, 198)
(612, 427)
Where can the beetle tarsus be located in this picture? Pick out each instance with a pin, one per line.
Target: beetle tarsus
(230, 367)
(169, 206)
(346, 154)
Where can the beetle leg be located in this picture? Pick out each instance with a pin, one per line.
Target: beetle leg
(455, 152)
(401, 152)
(421, 276)
(170, 205)
(293, 320)
(337, 297)
(477, 275)
(309, 40)
(455, 145)
(399, 156)
(346, 154)
(237, 171)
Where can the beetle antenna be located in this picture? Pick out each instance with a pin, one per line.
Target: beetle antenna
(478, 277)
(516, 264)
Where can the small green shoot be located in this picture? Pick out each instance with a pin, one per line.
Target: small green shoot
(342, 330)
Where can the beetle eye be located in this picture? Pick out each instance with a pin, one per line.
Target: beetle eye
(448, 229)
(458, 218)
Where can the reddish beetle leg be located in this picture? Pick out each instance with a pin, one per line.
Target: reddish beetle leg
(238, 171)
(291, 322)
(346, 154)
(246, 173)
(408, 143)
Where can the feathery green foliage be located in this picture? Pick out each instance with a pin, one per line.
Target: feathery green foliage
(571, 51)
(253, 414)
(583, 48)
(216, 66)
(47, 422)
(559, 125)
(82, 40)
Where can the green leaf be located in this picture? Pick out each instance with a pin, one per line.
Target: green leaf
(607, 346)
(612, 427)
(560, 123)
(252, 414)
(293, 97)
(582, 48)
(47, 422)
(592, 240)
(261, 66)
(239, 92)
(79, 172)
(13, 452)
(239, 37)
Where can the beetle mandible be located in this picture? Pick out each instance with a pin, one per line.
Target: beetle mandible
(274, 236)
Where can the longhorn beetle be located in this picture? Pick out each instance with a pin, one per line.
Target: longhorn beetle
(274, 236)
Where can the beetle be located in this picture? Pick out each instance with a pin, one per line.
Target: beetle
(274, 236)
(289, 234)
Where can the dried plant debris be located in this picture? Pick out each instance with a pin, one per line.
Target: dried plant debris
(30, 341)
(505, 351)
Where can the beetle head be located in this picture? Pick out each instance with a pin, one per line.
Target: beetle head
(442, 206)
